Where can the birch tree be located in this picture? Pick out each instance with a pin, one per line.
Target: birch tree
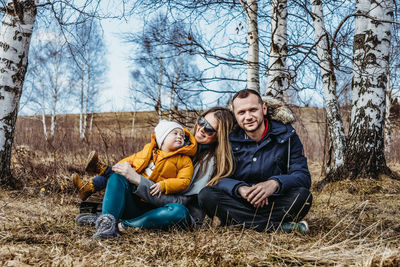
(253, 77)
(18, 21)
(364, 155)
(88, 53)
(324, 51)
(15, 36)
(359, 50)
(387, 129)
(49, 76)
(277, 70)
(165, 72)
(393, 86)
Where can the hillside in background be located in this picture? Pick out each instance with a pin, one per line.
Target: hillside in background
(112, 132)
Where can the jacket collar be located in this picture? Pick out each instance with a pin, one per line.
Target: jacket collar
(276, 128)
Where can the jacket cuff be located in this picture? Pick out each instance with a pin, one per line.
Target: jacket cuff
(230, 186)
(277, 192)
(235, 192)
(162, 184)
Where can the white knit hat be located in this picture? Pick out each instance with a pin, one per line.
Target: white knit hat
(163, 128)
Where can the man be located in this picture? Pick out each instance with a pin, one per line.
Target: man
(269, 188)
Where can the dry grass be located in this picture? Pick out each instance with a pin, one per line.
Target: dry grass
(352, 223)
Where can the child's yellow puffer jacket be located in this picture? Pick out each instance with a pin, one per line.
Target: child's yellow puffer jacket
(173, 170)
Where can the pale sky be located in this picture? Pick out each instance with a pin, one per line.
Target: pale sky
(115, 96)
(117, 93)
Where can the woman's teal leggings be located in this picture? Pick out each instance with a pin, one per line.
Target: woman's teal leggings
(123, 205)
(161, 218)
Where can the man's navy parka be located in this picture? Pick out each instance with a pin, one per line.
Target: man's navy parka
(259, 161)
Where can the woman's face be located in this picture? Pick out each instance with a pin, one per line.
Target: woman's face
(204, 138)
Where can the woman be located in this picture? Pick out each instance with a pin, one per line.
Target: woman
(126, 190)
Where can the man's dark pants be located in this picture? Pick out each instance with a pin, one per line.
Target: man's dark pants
(291, 206)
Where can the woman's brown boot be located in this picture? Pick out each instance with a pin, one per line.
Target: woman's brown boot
(94, 165)
(85, 188)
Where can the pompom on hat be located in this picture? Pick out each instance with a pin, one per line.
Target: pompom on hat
(163, 128)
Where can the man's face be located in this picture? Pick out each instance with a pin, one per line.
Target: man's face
(249, 113)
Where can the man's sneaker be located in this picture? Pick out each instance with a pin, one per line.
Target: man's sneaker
(86, 219)
(106, 227)
(300, 227)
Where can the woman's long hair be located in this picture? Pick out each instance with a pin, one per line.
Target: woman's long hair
(221, 149)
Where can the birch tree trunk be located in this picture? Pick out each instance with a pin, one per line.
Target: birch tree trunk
(46, 137)
(81, 134)
(15, 36)
(361, 26)
(53, 118)
(172, 100)
(55, 100)
(388, 106)
(91, 123)
(253, 76)
(277, 70)
(334, 120)
(85, 112)
(43, 97)
(133, 124)
(158, 104)
(85, 91)
(364, 156)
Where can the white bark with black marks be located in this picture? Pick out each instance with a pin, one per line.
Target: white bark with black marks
(253, 75)
(277, 70)
(335, 123)
(15, 36)
(366, 143)
(361, 26)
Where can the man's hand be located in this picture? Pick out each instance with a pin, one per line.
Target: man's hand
(243, 190)
(258, 194)
(155, 189)
(126, 170)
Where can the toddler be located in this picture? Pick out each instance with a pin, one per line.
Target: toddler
(165, 161)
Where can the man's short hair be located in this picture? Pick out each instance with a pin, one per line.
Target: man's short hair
(245, 93)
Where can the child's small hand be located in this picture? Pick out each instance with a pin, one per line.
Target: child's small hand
(155, 189)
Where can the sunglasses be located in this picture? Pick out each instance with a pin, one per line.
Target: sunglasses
(208, 129)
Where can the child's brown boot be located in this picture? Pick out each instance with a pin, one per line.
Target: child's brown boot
(94, 165)
(85, 188)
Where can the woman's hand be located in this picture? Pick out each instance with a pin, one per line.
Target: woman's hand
(126, 170)
(155, 189)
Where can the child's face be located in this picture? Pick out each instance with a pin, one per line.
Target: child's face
(173, 141)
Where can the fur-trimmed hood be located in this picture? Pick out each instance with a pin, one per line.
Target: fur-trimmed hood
(278, 110)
